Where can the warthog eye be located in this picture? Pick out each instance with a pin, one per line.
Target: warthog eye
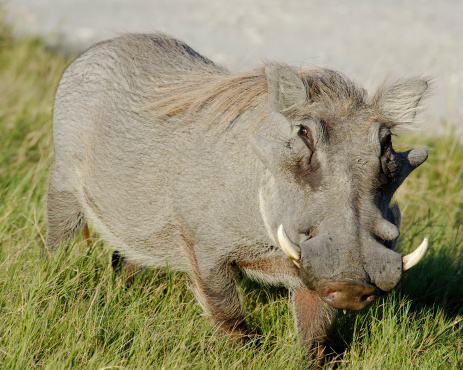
(386, 144)
(303, 131)
(388, 158)
(306, 135)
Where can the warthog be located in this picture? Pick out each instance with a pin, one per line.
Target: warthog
(284, 174)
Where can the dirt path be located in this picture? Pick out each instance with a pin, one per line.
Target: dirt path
(369, 40)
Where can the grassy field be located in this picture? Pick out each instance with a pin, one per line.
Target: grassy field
(71, 312)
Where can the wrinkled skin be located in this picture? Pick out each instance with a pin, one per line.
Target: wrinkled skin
(142, 154)
(331, 185)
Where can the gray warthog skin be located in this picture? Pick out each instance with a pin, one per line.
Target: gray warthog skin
(174, 160)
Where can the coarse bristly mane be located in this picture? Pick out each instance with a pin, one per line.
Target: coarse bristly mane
(192, 83)
(224, 98)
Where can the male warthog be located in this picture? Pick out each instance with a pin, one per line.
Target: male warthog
(286, 175)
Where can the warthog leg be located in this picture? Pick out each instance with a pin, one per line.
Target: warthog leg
(124, 268)
(215, 288)
(65, 217)
(86, 234)
(314, 320)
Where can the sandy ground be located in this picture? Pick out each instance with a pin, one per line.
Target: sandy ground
(369, 40)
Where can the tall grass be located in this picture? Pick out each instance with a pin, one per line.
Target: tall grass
(70, 311)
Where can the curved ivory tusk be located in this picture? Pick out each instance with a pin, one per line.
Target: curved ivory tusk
(292, 251)
(413, 258)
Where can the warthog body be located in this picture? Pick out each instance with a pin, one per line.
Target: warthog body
(174, 160)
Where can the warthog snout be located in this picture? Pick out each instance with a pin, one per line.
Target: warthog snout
(348, 296)
(343, 278)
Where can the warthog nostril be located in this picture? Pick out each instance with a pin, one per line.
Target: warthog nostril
(347, 295)
(368, 298)
(331, 295)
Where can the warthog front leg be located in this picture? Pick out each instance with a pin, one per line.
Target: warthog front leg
(216, 291)
(314, 320)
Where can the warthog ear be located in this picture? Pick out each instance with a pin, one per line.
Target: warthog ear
(400, 102)
(286, 91)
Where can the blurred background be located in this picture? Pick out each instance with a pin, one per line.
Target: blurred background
(370, 41)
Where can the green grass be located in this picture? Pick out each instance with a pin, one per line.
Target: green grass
(70, 311)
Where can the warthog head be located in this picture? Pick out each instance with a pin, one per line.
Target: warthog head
(326, 198)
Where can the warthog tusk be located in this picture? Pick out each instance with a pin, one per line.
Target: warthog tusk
(413, 258)
(292, 251)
